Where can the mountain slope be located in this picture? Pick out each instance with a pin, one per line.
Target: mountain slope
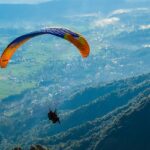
(78, 122)
(125, 128)
(85, 123)
(132, 130)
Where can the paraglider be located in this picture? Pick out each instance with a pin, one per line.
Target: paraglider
(75, 38)
(52, 115)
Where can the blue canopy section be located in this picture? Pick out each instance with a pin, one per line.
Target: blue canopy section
(60, 32)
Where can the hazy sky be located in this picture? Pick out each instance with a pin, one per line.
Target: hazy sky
(40, 1)
(22, 1)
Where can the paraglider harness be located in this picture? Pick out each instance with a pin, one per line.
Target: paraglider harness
(53, 116)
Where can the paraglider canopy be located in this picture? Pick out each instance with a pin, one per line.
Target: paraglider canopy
(75, 38)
